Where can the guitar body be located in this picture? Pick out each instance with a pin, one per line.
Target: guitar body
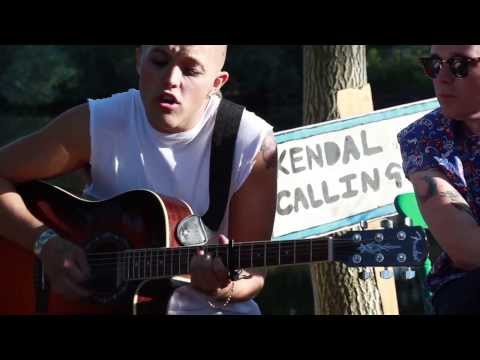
(133, 250)
(133, 220)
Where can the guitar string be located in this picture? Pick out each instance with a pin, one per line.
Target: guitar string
(245, 247)
(181, 251)
(140, 274)
(153, 258)
(247, 250)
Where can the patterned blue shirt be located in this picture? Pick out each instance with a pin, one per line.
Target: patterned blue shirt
(436, 141)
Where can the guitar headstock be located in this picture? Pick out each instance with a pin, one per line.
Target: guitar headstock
(401, 246)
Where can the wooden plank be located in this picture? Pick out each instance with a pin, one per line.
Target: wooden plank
(353, 102)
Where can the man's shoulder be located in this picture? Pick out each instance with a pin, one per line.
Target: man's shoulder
(251, 124)
(253, 120)
(115, 109)
(428, 126)
(130, 94)
(254, 126)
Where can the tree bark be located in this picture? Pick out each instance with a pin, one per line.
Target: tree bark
(328, 69)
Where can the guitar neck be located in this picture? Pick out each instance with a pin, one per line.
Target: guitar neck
(387, 247)
(144, 264)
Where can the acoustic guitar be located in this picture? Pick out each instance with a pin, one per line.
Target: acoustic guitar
(140, 238)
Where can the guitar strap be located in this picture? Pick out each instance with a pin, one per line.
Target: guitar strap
(224, 138)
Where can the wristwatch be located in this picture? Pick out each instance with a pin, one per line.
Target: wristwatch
(42, 240)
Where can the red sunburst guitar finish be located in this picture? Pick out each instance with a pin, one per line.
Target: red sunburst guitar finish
(132, 243)
(146, 219)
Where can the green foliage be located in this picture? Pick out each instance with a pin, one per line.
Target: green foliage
(396, 76)
(103, 70)
(13, 126)
(51, 77)
(287, 291)
(268, 80)
(37, 75)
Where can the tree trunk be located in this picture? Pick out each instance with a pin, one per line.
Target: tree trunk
(328, 69)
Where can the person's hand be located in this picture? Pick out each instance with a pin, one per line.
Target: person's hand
(66, 267)
(208, 274)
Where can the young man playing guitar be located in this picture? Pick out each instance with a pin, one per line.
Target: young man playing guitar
(158, 138)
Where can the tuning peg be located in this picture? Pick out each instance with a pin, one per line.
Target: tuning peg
(363, 225)
(386, 274)
(386, 224)
(365, 274)
(409, 274)
(407, 221)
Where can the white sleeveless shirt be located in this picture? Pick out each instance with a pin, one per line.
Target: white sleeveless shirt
(127, 153)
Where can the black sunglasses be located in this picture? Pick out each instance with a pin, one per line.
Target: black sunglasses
(458, 65)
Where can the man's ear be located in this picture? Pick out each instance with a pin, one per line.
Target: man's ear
(220, 80)
(138, 59)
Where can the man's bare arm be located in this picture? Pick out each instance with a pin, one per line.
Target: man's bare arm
(449, 217)
(252, 211)
(60, 147)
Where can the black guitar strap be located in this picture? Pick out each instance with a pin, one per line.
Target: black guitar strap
(224, 138)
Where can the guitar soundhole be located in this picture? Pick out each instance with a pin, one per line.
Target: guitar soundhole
(104, 255)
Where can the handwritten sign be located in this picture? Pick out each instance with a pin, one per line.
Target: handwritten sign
(335, 174)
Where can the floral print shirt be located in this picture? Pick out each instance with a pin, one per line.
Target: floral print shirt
(436, 141)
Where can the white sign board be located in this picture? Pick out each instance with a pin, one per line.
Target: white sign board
(335, 174)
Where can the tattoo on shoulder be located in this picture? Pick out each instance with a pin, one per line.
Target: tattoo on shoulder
(456, 200)
(269, 152)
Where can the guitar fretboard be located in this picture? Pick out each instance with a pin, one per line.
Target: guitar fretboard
(402, 247)
(142, 264)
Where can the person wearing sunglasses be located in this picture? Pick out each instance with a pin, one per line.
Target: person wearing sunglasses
(441, 157)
